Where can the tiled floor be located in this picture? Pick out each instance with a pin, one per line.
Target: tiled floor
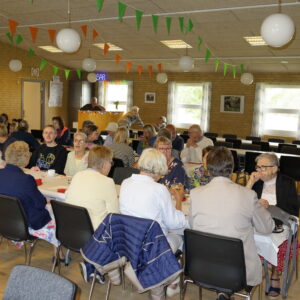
(11, 256)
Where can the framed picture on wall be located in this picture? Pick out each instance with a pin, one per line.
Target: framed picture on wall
(149, 97)
(232, 104)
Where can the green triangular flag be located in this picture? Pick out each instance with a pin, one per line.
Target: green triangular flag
(19, 39)
(43, 64)
(155, 22)
(234, 69)
(199, 42)
(207, 55)
(242, 68)
(138, 18)
(168, 23)
(99, 4)
(67, 73)
(9, 36)
(55, 70)
(181, 24)
(216, 61)
(31, 52)
(78, 71)
(122, 8)
(225, 69)
(189, 26)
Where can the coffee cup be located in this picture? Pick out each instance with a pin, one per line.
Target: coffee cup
(51, 173)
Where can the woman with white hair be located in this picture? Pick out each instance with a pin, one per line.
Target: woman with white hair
(78, 159)
(132, 117)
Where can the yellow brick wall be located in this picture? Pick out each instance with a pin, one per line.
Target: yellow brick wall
(239, 124)
(10, 83)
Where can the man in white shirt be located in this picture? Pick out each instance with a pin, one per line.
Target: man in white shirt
(194, 145)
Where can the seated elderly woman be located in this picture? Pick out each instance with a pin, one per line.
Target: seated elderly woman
(226, 208)
(15, 183)
(77, 160)
(176, 175)
(120, 148)
(274, 188)
(148, 138)
(92, 189)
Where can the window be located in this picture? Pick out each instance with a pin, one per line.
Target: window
(116, 95)
(189, 103)
(277, 110)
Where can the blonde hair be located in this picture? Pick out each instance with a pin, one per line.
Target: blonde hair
(135, 109)
(121, 135)
(154, 162)
(17, 153)
(3, 130)
(150, 129)
(163, 141)
(98, 156)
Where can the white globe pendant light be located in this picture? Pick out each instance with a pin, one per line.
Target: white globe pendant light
(92, 77)
(277, 30)
(186, 63)
(68, 40)
(15, 65)
(162, 78)
(247, 78)
(89, 64)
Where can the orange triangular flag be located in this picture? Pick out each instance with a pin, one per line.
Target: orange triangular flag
(52, 34)
(12, 26)
(140, 69)
(128, 66)
(33, 32)
(84, 30)
(150, 69)
(159, 68)
(95, 34)
(118, 58)
(105, 48)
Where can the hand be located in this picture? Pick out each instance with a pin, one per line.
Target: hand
(264, 203)
(178, 194)
(35, 169)
(255, 176)
(191, 143)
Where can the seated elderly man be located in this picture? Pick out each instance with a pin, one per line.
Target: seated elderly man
(226, 208)
(194, 145)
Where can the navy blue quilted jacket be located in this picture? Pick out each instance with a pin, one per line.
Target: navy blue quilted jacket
(141, 241)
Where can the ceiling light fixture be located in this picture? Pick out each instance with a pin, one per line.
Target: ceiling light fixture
(255, 40)
(50, 49)
(112, 47)
(176, 44)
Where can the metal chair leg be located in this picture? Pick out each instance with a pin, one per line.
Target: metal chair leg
(108, 290)
(31, 247)
(92, 285)
(200, 293)
(183, 290)
(122, 278)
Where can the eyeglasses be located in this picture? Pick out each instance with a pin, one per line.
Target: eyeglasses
(262, 168)
(164, 149)
(79, 141)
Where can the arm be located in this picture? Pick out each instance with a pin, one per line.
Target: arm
(34, 158)
(254, 177)
(138, 121)
(130, 157)
(112, 202)
(31, 190)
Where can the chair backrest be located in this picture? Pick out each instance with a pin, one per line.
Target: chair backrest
(224, 144)
(265, 146)
(185, 137)
(134, 144)
(296, 142)
(253, 138)
(286, 145)
(273, 140)
(210, 134)
(13, 221)
(251, 147)
(235, 142)
(250, 161)
(26, 282)
(290, 166)
(289, 150)
(235, 161)
(122, 173)
(37, 133)
(215, 262)
(117, 163)
(73, 225)
(229, 136)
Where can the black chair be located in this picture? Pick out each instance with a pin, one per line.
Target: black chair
(253, 147)
(14, 225)
(235, 142)
(224, 144)
(104, 132)
(265, 146)
(213, 139)
(38, 134)
(216, 263)
(280, 146)
(134, 144)
(229, 136)
(73, 227)
(211, 134)
(253, 138)
(27, 282)
(290, 166)
(296, 142)
(185, 137)
(249, 165)
(289, 150)
(117, 162)
(122, 173)
(236, 167)
(273, 140)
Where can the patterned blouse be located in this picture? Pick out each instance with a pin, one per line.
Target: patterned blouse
(176, 174)
(199, 177)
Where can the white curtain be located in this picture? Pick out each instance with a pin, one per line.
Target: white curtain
(171, 100)
(205, 113)
(130, 95)
(258, 110)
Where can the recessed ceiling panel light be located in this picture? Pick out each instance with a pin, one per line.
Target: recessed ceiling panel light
(284, 62)
(50, 49)
(112, 47)
(255, 40)
(176, 44)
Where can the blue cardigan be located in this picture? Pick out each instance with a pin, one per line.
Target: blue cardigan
(141, 241)
(15, 183)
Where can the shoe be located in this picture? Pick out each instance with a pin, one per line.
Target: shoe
(99, 278)
(83, 272)
(173, 291)
(223, 296)
(274, 292)
(62, 260)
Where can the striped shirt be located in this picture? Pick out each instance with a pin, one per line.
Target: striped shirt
(123, 152)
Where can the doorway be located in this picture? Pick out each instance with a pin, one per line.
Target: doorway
(33, 102)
